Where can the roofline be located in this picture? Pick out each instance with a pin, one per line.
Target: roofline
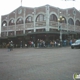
(42, 6)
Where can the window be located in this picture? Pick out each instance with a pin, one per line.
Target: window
(53, 17)
(40, 17)
(77, 23)
(70, 21)
(11, 22)
(19, 21)
(29, 19)
(3, 34)
(4, 24)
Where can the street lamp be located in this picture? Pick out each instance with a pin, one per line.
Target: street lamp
(60, 20)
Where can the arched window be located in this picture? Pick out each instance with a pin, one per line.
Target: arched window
(4, 24)
(70, 21)
(11, 22)
(40, 17)
(53, 17)
(19, 21)
(29, 19)
(77, 23)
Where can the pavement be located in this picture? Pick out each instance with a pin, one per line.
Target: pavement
(39, 64)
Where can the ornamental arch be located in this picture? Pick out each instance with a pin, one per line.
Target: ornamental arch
(40, 17)
(53, 17)
(19, 20)
(11, 22)
(29, 19)
(70, 21)
(4, 23)
(77, 23)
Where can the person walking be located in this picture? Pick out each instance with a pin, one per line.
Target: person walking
(38, 43)
(11, 44)
(9, 47)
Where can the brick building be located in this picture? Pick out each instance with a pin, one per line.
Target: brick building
(26, 23)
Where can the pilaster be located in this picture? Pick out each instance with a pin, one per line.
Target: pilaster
(47, 17)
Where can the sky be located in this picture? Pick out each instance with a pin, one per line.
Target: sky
(7, 6)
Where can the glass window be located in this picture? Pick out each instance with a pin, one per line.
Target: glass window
(19, 21)
(77, 23)
(70, 21)
(11, 22)
(53, 17)
(4, 23)
(29, 19)
(40, 17)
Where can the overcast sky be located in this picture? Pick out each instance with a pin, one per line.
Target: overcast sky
(7, 6)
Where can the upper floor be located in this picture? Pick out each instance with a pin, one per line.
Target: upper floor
(40, 17)
(25, 15)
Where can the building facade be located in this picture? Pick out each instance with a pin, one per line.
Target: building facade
(25, 23)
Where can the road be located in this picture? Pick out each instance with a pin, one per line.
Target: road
(39, 64)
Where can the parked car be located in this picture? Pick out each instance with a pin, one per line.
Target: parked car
(76, 44)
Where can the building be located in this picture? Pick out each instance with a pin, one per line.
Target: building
(44, 22)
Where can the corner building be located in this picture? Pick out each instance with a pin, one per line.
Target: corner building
(26, 23)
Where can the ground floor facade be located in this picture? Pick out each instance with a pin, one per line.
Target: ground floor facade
(35, 36)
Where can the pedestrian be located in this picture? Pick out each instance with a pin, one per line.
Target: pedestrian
(70, 42)
(55, 43)
(9, 47)
(21, 44)
(32, 44)
(25, 45)
(38, 43)
(43, 43)
(11, 44)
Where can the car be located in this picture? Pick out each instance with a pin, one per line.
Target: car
(76, 44)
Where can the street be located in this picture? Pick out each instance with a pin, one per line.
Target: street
(39, 64)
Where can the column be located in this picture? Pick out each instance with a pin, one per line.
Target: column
(24, 22)
(15, 24)
(67, 19)
(74, 13)
(7, 23)
(47, 17)
(74, 23)
(34, 16)
(7, 19)
(58, 17)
